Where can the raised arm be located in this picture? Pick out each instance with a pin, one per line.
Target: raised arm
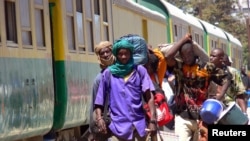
(170, 54)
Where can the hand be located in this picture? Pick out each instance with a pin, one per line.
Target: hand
(151, 128)
(203, 136)
(102, 126)
(188, 37)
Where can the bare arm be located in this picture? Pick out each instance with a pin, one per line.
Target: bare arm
(99, 119)
(240, 100)
(149, 98)
(221, 90)
(170, 54)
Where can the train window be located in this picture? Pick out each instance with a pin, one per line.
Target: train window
(212, 44)
(40, 35)
(79, 6)
(175, 30)
(97, 7)
(10, 18)
(97, 29)
(106, 33)
(70, 25)
(80, 25)
(90, 36)
(104, 11)
(215, 44)
(88, 9)
(69, 6)
(105, 20)
(89, 25)
(196, 37)
(224, 47)
(70, 33)
(40, 2)
(25, 22)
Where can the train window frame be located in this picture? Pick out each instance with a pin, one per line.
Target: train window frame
(105, 20)
(12, 12)
(175, 31)
(71, 26)
(88, 5)
(212, 44)
(26, 23)
(94, 23)
(80, 26)
(196, 38)
(40, 25)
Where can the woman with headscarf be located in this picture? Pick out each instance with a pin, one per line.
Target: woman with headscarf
(128, 84)
(105, 57)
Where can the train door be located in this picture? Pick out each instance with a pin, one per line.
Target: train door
(26, 83)
(77, 26)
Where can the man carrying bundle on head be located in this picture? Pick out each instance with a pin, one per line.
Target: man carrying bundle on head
(192, 80)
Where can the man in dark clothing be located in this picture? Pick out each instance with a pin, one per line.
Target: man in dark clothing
(246, 81)
(245, 78)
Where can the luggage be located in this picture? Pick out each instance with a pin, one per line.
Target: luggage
(198, 50)
(140, 53)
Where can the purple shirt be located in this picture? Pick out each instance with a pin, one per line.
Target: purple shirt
(126, 104)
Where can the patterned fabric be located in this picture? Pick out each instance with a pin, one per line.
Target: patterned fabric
(237, 86)
(192, 84)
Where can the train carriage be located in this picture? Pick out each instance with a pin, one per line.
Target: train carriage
(215, 37)
(179, 23)
(48, 62)
(235, 50)
(196, 29)
(26, 74)
(129, 17)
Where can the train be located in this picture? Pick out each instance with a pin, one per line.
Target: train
(48, 62)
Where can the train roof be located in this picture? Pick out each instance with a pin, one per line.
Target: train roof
(211, 29)
(141, 9)
(174, 11)
(194, 21)
(232, 39)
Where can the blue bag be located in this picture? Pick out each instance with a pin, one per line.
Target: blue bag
(140, 53)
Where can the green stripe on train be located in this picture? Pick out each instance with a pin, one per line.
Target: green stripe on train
(159, 7)
(60, 96)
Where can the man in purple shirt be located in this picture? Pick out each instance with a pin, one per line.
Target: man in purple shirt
(127, 85)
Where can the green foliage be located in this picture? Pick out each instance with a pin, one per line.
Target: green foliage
(218, 11)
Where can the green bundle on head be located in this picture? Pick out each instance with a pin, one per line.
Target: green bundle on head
(122, 44)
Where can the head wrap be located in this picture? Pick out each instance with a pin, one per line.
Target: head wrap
(104, 62)
(118, 68)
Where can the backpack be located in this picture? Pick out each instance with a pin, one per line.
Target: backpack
(163, 112)
(140, 53)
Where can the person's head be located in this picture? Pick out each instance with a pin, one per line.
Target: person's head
(226, 60)
(123, 51)
(216, 57)
(104, 53)
(243, 70)
(187, 54)
(152, 63)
